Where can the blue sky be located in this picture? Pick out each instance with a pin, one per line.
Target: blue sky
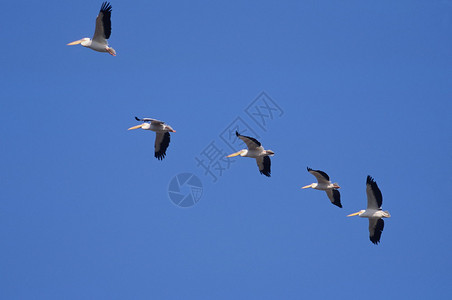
(364, 87)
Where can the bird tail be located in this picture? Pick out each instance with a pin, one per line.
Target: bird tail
(111, 51)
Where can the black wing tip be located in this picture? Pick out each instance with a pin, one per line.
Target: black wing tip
(375, 239)
(266, 173)
(138, 119)
(248, 137)
(337, 203)
(370, 179)
(160, 155)
(106, 7)
(337, 198)
(267, 166)
(379, 227)
(324, 175)
(376, 190)
(105, 10)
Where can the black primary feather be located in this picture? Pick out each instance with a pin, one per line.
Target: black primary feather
(248, 137)
(266, 170)
(106, 19)
(320, 172)
(376, 190)
(377, 232)
(337, 198)
(163, 146)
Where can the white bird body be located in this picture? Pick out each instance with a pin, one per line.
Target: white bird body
(162, 137)
(158, 126)
(102, 33)
(254, 153)
(95, 45)
(324, 184)
(255, 150)
(373, 212)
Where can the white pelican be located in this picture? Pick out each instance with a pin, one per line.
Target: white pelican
(102, 32)
(162, 137)
(255, 150)
(325, 184)
(373, 212)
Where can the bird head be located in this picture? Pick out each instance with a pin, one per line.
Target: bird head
(270, 152)
(169, 128)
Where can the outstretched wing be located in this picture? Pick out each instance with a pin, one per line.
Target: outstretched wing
(335, 197)
(374, 196)
(264, 163)
(153, 121)
(103, 24)
(162, 141)
(321, 176)
(250, 142)
(375, 229)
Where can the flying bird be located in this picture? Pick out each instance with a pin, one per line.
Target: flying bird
(324, 184)
(101, 34)
(373, 212)
(255, 150)
(162, 137)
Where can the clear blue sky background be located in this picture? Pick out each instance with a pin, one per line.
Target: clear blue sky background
(365, 87)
